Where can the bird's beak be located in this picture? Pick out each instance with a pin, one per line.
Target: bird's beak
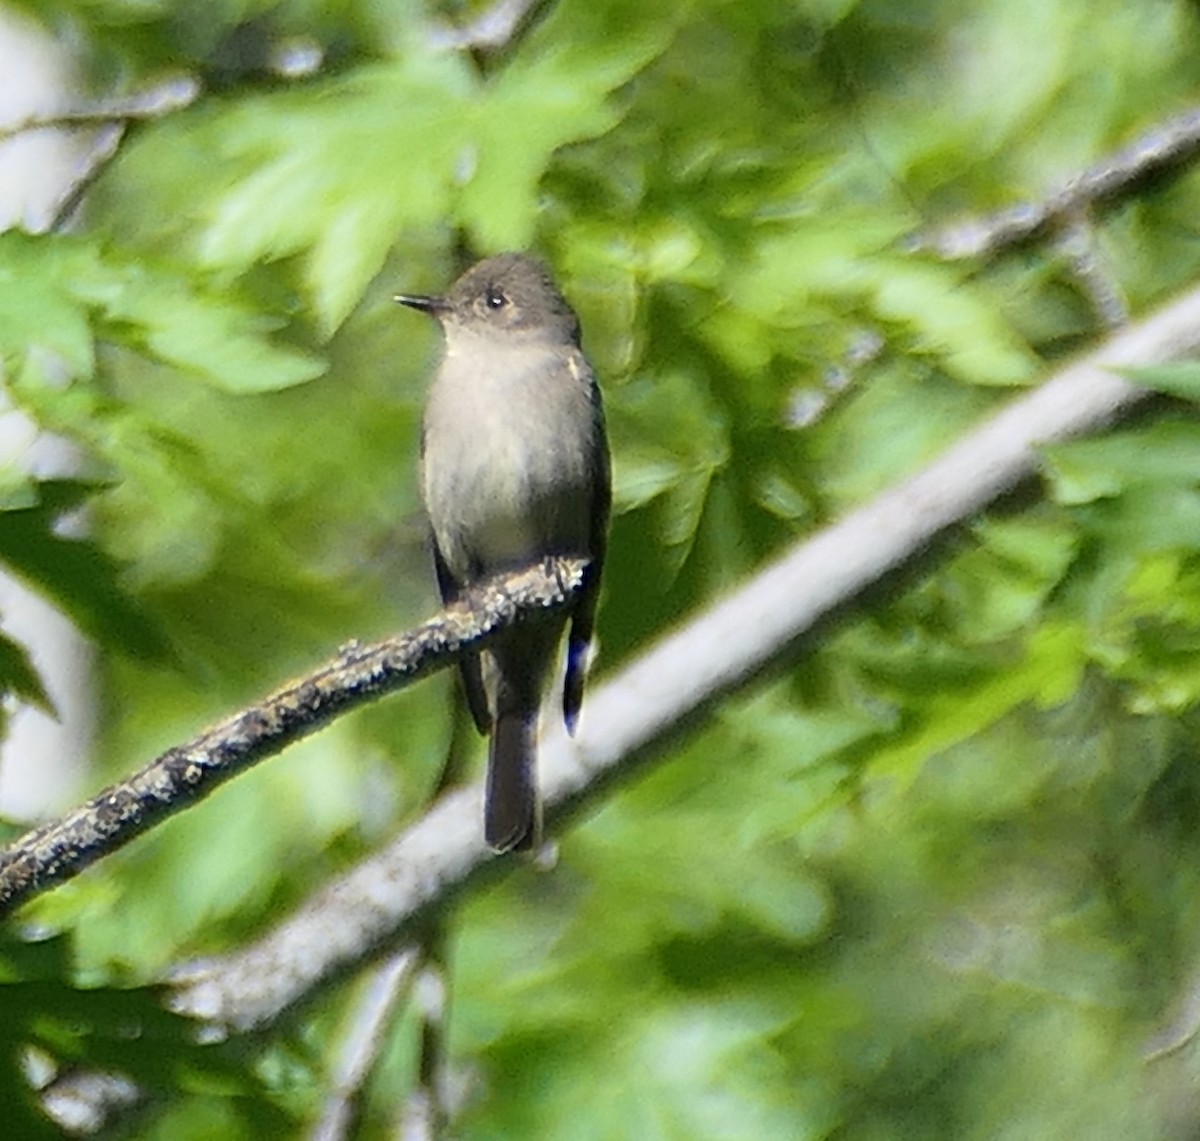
(434, 306)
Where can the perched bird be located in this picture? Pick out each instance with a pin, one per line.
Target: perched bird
(514, 468)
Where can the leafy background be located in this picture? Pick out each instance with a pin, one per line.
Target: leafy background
(938, 875)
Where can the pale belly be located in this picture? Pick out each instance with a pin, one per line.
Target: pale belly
(511, 480)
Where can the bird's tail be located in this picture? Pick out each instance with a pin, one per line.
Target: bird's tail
(512, 817)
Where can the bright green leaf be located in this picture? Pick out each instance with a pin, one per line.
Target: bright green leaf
(75, 573)
(1181, 378)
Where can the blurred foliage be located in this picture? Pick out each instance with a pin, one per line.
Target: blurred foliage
(935, 877)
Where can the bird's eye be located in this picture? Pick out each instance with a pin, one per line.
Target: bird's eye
(495, 299)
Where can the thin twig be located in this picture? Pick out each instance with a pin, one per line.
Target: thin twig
(423, 1112)
(491, 30)
(1166, 144)
(172, 94)
(434, 991)
(365, 1040)
(105, 144)
(63, 848)
(423, 1115)
(1077, 242)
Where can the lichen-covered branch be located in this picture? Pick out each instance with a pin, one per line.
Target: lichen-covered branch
(62, 848)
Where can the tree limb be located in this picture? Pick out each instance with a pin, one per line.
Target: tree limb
(62, 848)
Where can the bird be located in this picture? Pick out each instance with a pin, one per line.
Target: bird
(514, 468)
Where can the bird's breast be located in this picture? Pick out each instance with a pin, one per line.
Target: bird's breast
(509, 447)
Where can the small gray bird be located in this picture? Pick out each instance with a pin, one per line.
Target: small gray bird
(514, 468)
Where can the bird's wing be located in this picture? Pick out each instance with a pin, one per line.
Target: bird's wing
(584, 618)
(472, 673)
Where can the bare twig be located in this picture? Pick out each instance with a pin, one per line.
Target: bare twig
(108, 123)
(383, 899)
(102, 150)
(427, 1102)
(418, 1120)
(490, 30)
(423, 1115)
(1182, 1028)
(62, 848)
(372, 1020)
(172, 94)
(1077, 242)
(1166, 144)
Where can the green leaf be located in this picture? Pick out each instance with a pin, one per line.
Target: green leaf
(58, 293)
(223, 342)
(337, 172)
(1049, 671)
(955, 322)
(1149, 518)
(18, 676)
(555, 91)
(1164, 452)
(1002, 585)
(172, 320)
(38, 304)
(1181, 378)
(75, 573)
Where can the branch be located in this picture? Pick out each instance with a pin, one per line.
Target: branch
(423, 1115)
(365, 1040)
(490, 30)
(379, 903)
(56, 851)
(172, 94)
(1077, 242)
(1164, 145)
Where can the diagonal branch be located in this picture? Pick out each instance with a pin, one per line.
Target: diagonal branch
(379, 904)
(62, 848)
(173, 94)
(1166, 144)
